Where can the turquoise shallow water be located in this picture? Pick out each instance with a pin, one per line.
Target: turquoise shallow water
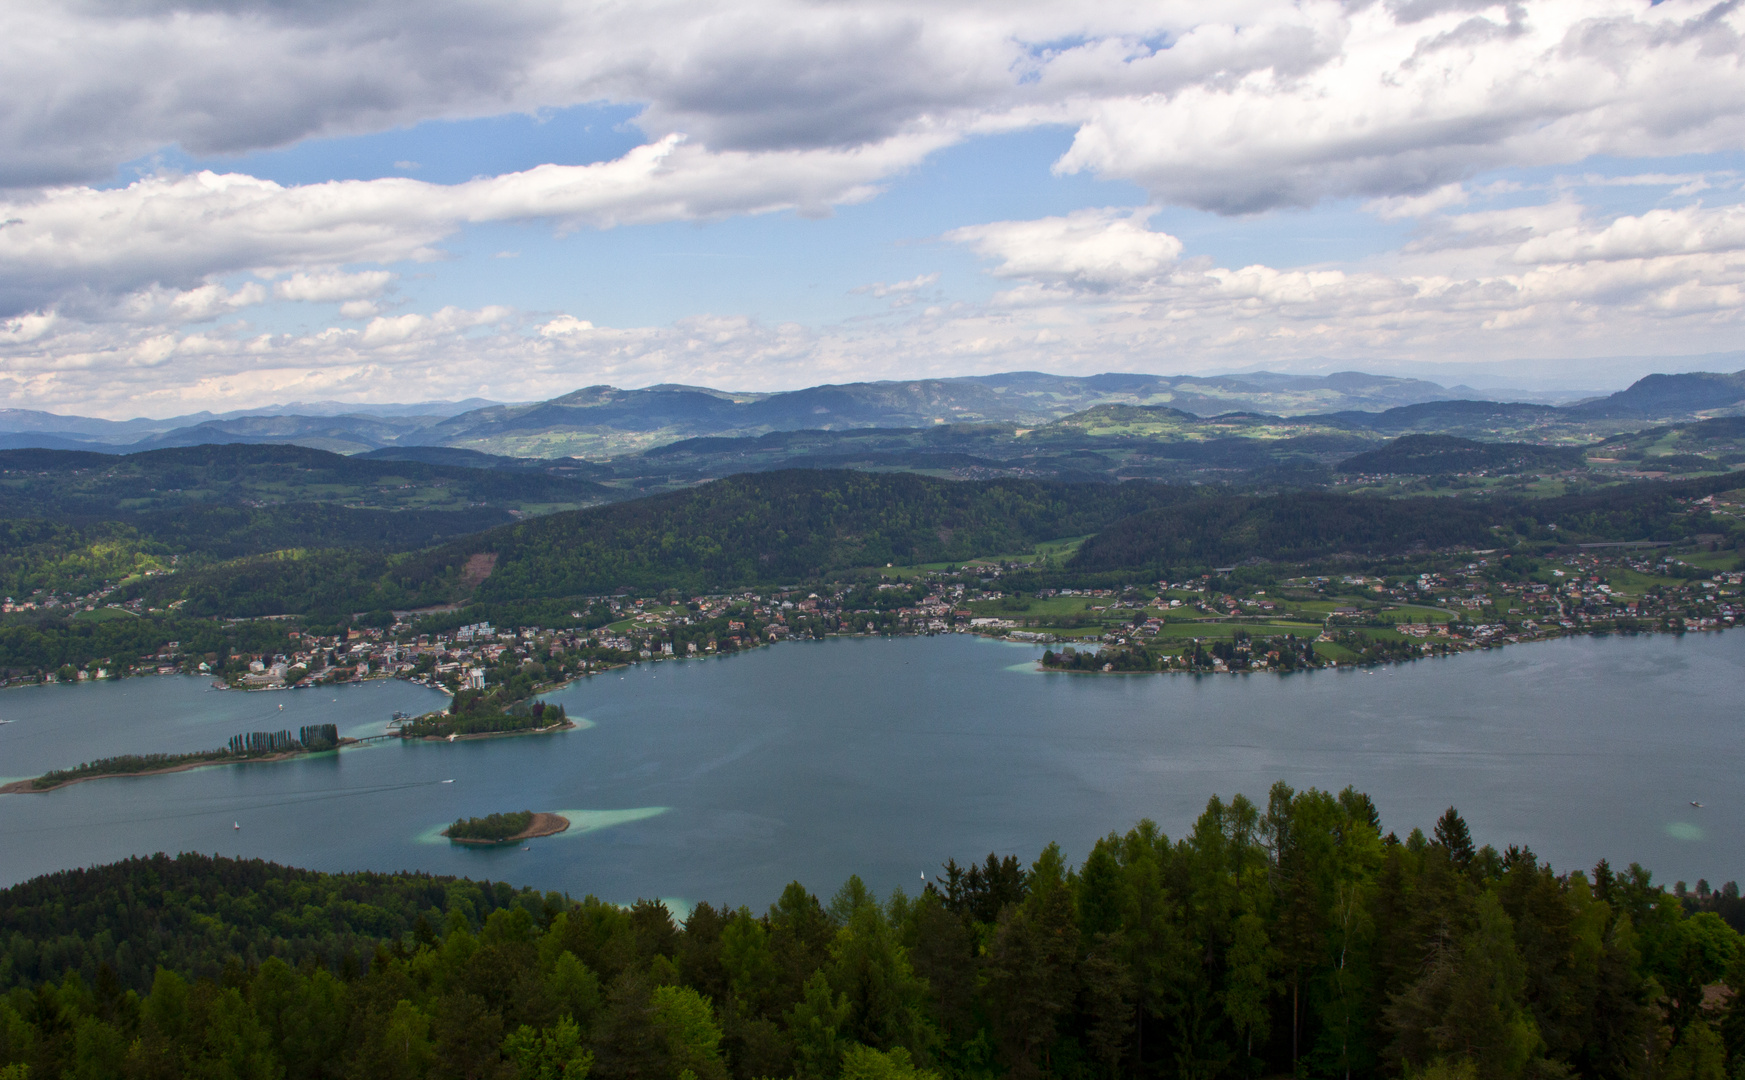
(723, 779)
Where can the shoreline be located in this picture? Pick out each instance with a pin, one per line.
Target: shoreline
(1463, 646)
(27, 787)
(543, 824)
(565, 726)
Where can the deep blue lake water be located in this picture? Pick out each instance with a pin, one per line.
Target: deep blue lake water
(723, 779)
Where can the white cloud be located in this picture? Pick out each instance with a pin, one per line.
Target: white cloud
(1235, 106)
(1654, 234)
(199, 304)
(25, 328)
(760, 106)
(332, 286)
(180, 230)
(1092, 249)
(881, 289)
(1404, 207)
(565, 325)
(1547, 280)
(359, 309)
(797, 106)
(1403, 107)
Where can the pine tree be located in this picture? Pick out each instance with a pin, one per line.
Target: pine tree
(1451, 832)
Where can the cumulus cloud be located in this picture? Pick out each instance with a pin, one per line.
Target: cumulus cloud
(760, 106)
(1413, 97)
(1655, 234)
(333, 286)
(1233, 107)
(1411, 207)
(180, 230)
(1089, 292)
(1547, 276)
(1092, 249)
(774, 105)
(881, 289)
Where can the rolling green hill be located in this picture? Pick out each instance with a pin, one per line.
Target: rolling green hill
(1429, 455)
(1306, 525)
(67, 483)
(759, 528)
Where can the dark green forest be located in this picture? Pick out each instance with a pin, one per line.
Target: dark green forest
(327, 561)
(800, 525)
(792, 526)
(79, 484)
(491, 827)
(1428, 455)
(745, 530)
(71, 521)
(76, 557)
(1297, 526)
(47, 642)
(1290, 938)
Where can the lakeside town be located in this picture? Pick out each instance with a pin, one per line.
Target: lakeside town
(1231, 619)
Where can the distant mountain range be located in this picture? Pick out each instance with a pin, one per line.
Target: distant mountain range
(604, 421)
(356, 427)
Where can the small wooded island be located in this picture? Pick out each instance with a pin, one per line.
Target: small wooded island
(505, 828)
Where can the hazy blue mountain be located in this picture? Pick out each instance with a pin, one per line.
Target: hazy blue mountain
(605, 421)
(305, 420)
(1669, 396)
(339, 434)
(599, 422)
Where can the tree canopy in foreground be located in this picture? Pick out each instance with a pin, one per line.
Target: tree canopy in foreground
(1289, 938)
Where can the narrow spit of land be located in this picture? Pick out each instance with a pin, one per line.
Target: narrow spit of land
(461, 736)
(149, 765)
(160, 764)
(241, 749)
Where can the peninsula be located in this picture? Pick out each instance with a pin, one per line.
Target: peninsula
(258, 746)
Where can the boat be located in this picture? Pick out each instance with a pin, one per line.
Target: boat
(1696, 804)
(448, 781)
(236, 825)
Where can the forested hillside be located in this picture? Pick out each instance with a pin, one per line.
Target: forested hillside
(750, 529)
(77, 484)
(1285, 528)
(791, 526)
(1293, 938)
(41, 554)
(799, 525)
(1427, 455)
(1306, 525)
(71, 522)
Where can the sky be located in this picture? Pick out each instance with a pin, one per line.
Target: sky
(220, 205)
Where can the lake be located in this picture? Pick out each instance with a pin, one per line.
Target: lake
(723, 779)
